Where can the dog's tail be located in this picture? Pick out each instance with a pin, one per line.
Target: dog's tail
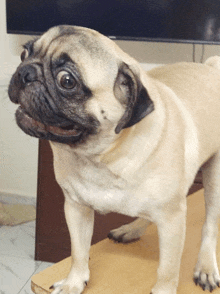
(213, 61)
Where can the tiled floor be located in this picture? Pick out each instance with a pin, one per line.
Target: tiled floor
(17, 264)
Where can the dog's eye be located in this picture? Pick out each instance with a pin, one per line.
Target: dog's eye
(24, 54)
(66, 80)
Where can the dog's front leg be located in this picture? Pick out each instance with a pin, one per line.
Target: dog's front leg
(80, 220)
(171, 225)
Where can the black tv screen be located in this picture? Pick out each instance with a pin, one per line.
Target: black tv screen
(196, 21)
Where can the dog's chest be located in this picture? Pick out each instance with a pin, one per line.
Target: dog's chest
(91, 183)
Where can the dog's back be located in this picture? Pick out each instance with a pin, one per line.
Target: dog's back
(198, 87)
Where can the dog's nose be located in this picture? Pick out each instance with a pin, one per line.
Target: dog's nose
(27, 74)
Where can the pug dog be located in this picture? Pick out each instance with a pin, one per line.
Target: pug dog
(124, 140)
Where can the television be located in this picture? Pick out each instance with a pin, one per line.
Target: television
(187, 21)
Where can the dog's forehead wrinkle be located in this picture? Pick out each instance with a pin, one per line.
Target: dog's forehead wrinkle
(50, 35)
(94, 47)
(81, 40)
(75, 40)
(43, 44)
(62, 59)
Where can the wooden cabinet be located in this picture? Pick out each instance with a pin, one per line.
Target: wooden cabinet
(52, 236)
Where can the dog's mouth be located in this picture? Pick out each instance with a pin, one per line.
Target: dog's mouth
(40, 130)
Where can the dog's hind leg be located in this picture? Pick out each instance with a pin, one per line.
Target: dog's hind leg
(206, 272)
(130, 232)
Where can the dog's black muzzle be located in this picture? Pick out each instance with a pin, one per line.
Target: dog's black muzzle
(41, 115)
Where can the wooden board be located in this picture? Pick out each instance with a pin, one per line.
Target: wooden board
(131, 268)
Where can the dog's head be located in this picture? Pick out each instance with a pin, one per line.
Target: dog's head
(74, 83)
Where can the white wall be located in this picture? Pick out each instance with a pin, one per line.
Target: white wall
(19, 152)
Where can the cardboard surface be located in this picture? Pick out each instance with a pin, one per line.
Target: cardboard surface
(131, 268)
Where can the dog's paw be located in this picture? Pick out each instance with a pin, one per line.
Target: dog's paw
(67, 288)
(74, 284)
(206, 273)
(119, 236)
(207, 281)
(128, 233)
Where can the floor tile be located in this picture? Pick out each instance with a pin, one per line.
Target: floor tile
(18, 241)
(15, 272)
(27, 287)
(17, 264)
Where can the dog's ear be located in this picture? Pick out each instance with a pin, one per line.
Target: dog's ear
(129, 90)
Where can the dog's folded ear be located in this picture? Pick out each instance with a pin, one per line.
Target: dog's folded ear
(129, 90)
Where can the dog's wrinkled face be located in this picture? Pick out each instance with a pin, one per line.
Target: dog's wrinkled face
(71, 85)
(51, 93)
